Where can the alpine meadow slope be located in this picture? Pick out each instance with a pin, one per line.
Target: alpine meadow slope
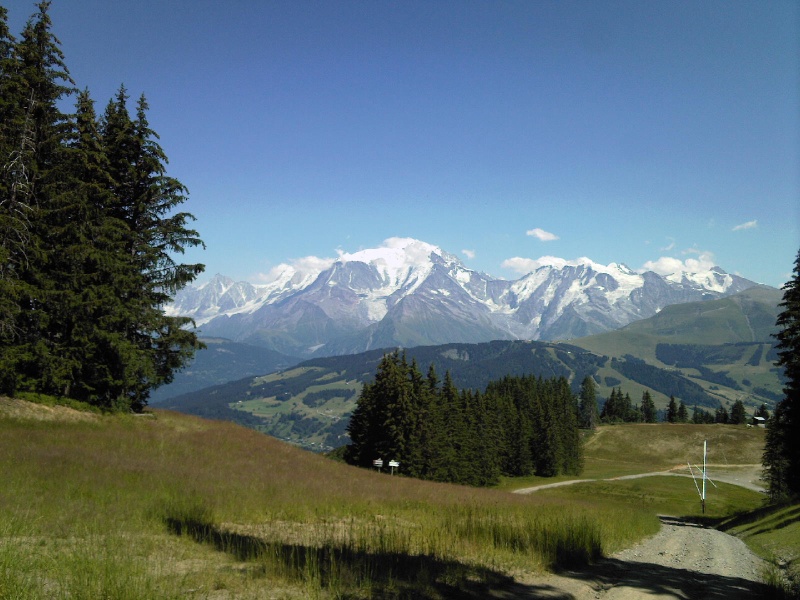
(411, 293)
(216, 510)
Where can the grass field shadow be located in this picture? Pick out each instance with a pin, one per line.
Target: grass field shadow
(342, 569)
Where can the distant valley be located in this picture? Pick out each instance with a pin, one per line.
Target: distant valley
(704, 353)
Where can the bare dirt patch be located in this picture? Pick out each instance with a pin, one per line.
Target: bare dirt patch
(11, 408)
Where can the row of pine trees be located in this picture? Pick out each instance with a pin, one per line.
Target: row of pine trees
(518, 426)
(89, 233)
(618, 408)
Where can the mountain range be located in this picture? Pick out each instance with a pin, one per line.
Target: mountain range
(411, 293)
(705, 354)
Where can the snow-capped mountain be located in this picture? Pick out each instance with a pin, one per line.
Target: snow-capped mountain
(411, 293)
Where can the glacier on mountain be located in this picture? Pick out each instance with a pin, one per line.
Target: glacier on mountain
(409, 292)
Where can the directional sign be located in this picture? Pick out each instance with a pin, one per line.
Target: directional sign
(378, 462)
(394, 463)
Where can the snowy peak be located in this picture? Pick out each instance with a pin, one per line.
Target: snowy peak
(399, 260)
(408, 292)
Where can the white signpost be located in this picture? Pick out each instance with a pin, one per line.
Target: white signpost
(393, 464)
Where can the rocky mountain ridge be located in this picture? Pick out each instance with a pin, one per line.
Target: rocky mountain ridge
(410, 293)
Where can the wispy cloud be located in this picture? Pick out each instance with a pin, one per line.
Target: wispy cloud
(669, 246)
(468, 253)
(541, 234)
(749, 225)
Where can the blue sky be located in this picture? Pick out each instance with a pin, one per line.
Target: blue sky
(644, 133)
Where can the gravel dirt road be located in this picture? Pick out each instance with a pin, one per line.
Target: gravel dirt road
(682, 560)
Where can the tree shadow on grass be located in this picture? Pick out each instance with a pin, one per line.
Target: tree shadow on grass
(387, 575)
(397, 576)
(788, 517)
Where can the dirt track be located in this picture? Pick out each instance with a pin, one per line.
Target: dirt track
(682, 560)
(747, 476)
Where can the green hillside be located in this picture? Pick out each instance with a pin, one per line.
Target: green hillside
(166, 505)
(310, 404)
(724, 346)
(746, 317)
(704, 354)
(219, 362)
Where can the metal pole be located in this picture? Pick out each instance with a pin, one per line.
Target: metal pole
(705, 442)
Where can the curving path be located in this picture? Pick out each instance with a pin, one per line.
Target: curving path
(742, 475)
(683, 561)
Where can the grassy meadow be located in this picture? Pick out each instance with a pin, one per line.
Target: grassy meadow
(166, 506)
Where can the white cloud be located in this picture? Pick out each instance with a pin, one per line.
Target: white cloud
(521, 265)
(302, 266)
(541, 234)
(529, 265)
(667, 265)
(749, 225)
(468, 253)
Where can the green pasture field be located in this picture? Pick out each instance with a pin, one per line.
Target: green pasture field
(628, 449)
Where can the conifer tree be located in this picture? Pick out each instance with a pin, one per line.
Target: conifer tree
(87, 244)
(432, 426)
(738, 414)
(417, 424)
(488, 441)
(629, 415)
(145, 200)
(648, 408)
(453, 434)
(781, 458)
(34, 79)
(13, 210)
(570, 442)
(672, 411)
(85, 259)
(587, 406)
(376, 427)
(683, 413)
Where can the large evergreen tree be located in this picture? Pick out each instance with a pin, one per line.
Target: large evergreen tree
(89, 232)
(671, 415)
(782, 449)
(35, 80)
(683, 413)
